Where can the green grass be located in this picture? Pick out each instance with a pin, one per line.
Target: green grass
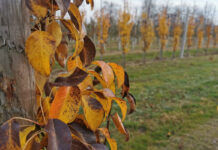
(173, 98)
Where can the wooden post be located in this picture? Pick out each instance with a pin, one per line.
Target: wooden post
(17, 86)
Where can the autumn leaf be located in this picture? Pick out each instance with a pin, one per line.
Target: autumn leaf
(71, 27)
(98, 77)
(40, 48)
(112, 142)
(74, 62)
(72, 79)
(87, 55)
(132, 102)
(55, 30)
(24, 133)
(64, 6)
(10, 139)
(75, 16)
(66, 104)
(119, 72)
(122, 105)
(125, 86)
(93, 111)
(59, 135)
(118, 123)
(38, 7)
(107, 72)
(61, 53)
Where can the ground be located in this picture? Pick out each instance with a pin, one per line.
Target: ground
(176, 103)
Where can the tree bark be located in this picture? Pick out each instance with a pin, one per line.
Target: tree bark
(17, 86)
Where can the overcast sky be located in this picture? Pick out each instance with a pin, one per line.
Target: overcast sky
(138, 4)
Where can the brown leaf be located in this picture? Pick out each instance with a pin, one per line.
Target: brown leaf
(132, 102)
(87, 55)
(59, 135)
(125, 86)
(118, 123)
(73, 79)
(10, 139)
(61, 53)
(64, 6)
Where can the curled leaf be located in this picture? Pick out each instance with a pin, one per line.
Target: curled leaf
(75, 16)
(132, 102)
(118, 123)
(122, 105)
(125, 86)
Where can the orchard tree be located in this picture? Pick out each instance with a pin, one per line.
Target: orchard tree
(177, 31)
(70, 107)
(147, 32)
(163, 30)
(190, 32)
(200, 33)
(215, 37)
(103, 25)
(125, 25)
(209, 36)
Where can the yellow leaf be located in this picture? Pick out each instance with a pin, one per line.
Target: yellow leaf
(66, 104)
(93, 112)
(75, 16)
(37, 7)
(74, 62)
(122, 105)
(107, 72)
(119, 72)
(86, 84)
(40, 48)
(112, 142)
(55, 30)
(99, 78)
(24, 133)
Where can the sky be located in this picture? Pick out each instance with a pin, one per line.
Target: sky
(137, 4)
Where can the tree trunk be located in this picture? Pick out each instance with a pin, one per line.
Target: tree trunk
(17, 86)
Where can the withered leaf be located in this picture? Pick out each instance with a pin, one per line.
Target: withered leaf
(59, 135)
(132, 102)
(125, 86)
(73, 79)
(87, 55)
(10, 139)
(118, 123)
(63, 5)
(61, 53)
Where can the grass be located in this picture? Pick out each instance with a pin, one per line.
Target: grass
(173, 97)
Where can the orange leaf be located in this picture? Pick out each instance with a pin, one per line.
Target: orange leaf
(119, 72)
(107, 72)
(40, 48)
(93, 111)
(55, 30)
(118, 123)
(66, 104)
(112, 142)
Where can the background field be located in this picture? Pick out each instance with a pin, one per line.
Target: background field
(176, 102)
